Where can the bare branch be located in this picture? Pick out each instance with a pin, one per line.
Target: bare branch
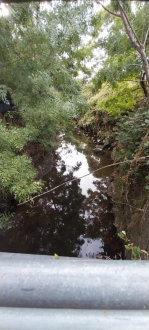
(129, 29)
(145, 40)
(108, 10)
(131, 35)
(142, 210)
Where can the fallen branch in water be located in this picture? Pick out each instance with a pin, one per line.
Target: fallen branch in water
(99, 169)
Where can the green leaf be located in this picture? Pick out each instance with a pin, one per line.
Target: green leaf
(56, 256)
(128, 247)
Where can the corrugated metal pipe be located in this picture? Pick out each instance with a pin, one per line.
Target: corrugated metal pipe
(40, 292)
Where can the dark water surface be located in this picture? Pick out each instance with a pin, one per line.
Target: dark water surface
(74, 220)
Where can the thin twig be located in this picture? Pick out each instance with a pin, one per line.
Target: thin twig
(99, 169)
(142, 210)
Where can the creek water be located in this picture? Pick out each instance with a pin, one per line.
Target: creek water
(74, 220)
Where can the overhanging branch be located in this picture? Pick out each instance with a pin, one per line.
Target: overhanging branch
(108, 10)
(131, 27)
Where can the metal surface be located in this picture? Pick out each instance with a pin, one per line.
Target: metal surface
(53, 319)
(43, 282)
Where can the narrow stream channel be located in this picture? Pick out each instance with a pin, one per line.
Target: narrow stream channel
(73, 220)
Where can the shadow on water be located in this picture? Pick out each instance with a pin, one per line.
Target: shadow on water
(73, 220)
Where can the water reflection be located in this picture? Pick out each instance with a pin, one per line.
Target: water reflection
(74, 220)
(91, 247)
(71, 157)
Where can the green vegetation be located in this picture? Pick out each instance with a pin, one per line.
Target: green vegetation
(40, 55)
(136, 252)
(118, 96)
(118, 93)
(5, 220)
(133, 134)
(126, 44)
(42, 52)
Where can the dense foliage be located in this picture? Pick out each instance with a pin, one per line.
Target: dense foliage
(40, 55)
(133, 135)
(123, 62)
(120, 87)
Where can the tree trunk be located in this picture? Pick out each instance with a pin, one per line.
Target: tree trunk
(143, 84)
(145, 64)
(140, 48)
(137, 45)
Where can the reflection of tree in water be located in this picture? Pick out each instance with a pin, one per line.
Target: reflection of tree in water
(75, 215)
(57, 223)
(99, 219)
(64, 219)
(66, 223)
(94, 162)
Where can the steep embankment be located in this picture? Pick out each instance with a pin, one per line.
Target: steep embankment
(128, 137)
